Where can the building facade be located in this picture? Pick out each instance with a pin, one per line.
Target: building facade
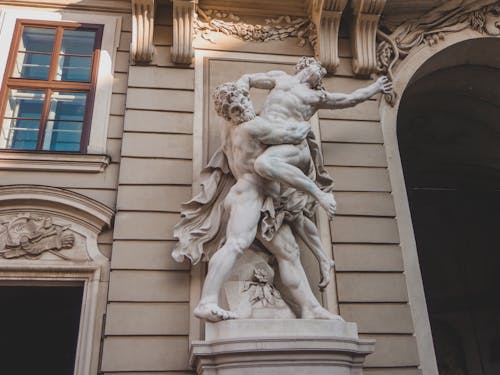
(107, 122)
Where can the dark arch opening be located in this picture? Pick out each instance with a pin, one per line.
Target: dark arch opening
(449, 141)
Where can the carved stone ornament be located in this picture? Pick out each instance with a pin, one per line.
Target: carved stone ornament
(182, 46)
(279, 28)
(326, 15)
(30, 235)
(453, 16)
(143, 15)
(363, 36)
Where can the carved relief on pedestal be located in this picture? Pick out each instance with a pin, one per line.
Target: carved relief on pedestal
(29, 235)
(326, 17)
(182, 47)
(143, 15)
(363, 35)
(453, 16)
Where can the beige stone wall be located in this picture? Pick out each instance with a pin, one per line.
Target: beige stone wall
(147, 323)
(371, 285)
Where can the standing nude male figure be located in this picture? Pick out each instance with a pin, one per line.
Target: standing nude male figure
(260, 171)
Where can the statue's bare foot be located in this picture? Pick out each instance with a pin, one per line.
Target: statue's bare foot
(212, 312)
(320, 312)
(325, 268)
(327, 201)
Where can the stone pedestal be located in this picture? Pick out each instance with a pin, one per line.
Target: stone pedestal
(280, 347)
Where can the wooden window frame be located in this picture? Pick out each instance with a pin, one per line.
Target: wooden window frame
(50, 84)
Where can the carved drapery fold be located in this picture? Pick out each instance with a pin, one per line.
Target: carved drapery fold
(363, 35)
(326, 15)
(143, 15)
(182, 48)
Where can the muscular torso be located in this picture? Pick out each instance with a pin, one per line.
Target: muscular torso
(290, 101)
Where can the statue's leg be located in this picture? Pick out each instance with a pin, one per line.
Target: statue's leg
(283, 163)
(286, 250)
(244, 202)
(307, 231)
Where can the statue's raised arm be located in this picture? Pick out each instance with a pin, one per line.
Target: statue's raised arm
(334, 100)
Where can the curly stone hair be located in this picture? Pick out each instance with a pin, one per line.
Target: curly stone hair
(305, 62)
(228, 97)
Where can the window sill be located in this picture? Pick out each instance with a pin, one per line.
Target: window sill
(52, 162)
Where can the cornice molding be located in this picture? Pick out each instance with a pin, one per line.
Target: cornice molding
(326, 15)
(120, 6)
(143, 18)
(52, 162)
(363, 35)
(183, 16)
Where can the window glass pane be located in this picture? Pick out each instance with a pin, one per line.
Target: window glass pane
(63, 136)
(19, 134)
(63, 131)
(74, 68)
(32, 66)
(22, 119)
(78, 42)
(68, 106)
(25, 103)
(37, 39)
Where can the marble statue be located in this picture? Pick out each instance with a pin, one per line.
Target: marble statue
(264, 183)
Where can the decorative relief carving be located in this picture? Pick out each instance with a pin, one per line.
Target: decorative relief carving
(363, 36)
(279, 28)
(326, 15)
(29, 235)
(143, 15)
(261, 290)
(453, 16)
(183, 21)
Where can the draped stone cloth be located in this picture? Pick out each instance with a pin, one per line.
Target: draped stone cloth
(202, 229)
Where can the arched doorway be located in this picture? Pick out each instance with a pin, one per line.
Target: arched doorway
(448, 133)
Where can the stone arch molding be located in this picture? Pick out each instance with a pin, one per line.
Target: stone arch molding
(420, 62)
(36, 221)
(48, 236)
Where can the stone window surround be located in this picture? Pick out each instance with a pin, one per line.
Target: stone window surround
(95, 160)
(87, 218)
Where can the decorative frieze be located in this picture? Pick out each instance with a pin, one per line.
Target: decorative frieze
(326, 15)
(143, 15)
(29, 235)
(451, 17)
(363, 35)
(279, 28)
(183, 18)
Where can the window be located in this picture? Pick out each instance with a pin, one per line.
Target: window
(49, 86)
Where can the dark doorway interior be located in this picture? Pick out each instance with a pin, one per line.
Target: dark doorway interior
(449, 139)
(39, 329)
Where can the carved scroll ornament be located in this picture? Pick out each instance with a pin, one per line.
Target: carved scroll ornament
(363, 37)
(183, 22)
(29, 236)
(143, 15)
(326, 15)
(453, 16)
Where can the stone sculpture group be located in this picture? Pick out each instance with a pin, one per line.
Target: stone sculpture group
(264, 184)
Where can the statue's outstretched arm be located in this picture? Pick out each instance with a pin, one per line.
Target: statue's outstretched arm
(336, 101)
(277, 133)
(265, 81)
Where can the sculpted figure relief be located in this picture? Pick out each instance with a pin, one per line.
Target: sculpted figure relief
(264, 183)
